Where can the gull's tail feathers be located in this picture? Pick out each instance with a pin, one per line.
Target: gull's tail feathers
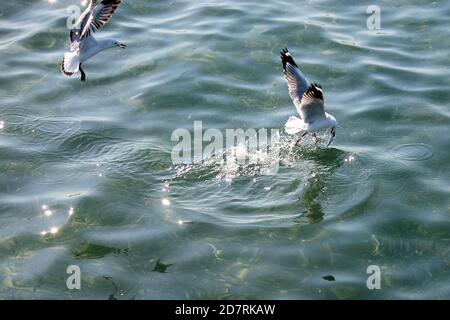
(295, 125)
(70, 63)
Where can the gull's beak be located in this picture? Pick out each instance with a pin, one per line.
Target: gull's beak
(121, 45)
(333, 134)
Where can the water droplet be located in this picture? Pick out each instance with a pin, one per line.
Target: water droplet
(349, 159)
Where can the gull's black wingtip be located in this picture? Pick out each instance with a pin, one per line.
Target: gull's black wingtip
(287, 58)
(284, 52)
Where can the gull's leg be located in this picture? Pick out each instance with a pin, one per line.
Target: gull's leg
(315, 137)
(298, 140)
(83, 75)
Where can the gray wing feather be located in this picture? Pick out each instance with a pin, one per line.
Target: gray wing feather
(99, 16)
(296, 81)
(84, 17)
(75, 32)
(311, 106)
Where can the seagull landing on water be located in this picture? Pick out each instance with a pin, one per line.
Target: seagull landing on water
(308, 99)
(83, 45)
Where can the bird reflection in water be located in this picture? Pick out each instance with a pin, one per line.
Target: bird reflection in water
(325, 162)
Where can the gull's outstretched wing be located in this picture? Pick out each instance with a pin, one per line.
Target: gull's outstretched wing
(75, 32)
(82, 20)
(296, 81)
(98, 16)
(311, 106)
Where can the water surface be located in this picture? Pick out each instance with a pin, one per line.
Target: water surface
(86, 176)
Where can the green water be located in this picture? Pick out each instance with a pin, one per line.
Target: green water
(86, 176)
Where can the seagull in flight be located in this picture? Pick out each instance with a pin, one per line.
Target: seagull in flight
(83, 45)
(308, 99)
